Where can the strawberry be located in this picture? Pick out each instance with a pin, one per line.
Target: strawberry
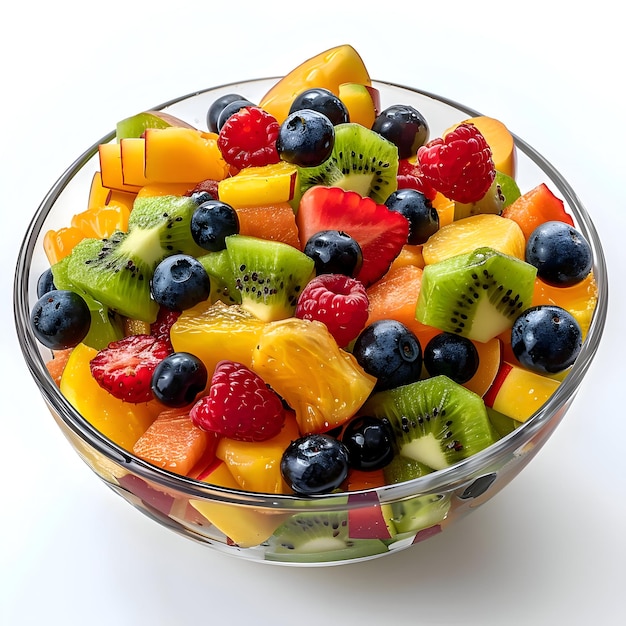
(248, 138)
(124, 368)
(410, 176)
(338, 301)
(381, 233)
(459, 165)
(161, 327)
(239, 405)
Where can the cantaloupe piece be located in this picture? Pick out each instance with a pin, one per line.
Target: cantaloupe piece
(329, 69)
(411, 254)
(246, 526)
(122, 422)
(173, 442)
(469, 233)
(57, 363)
(499, 139)
(395, 296)
(276, 222)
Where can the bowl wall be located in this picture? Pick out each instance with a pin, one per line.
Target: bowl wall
(418, 509)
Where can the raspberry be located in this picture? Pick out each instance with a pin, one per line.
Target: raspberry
(248, 138)
(239, 405)
(125, 367)
(340, 302)
(458, 165)
(410, 176)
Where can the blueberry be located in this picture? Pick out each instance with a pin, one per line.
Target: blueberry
(200, 197)
(334, 252)
(211, 223)
(180, 282)
(306, 138)
(60, 319)
(315, 464)
(418, 210)
(546, 339)
(451, 355)
(560, 253)
(323, 101)
(369, 441)
(178, 379)
(230, 109)
(404, 126)
(218, 106)
(390, 351)
(45, 283)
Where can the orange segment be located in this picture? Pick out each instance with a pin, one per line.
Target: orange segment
(103, 221)
(57, 244)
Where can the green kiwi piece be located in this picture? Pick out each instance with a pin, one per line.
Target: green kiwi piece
(491, 202)
(503, 424)
(477, 295)
(136, 125)
(361, 161)
(105, 325)
(116, 271)
(509, 188)
(435, 421)
(269, 275)
(419, 512)
(402, 468)
(220, 271)
(318, 538)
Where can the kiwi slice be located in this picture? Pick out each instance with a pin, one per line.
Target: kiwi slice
(220, 271)
(361, 161)
(435, 421)
(116, 271)
(477, 295)
(269, 275)
(402, 468)
(105, 325)
(491, 202)
(318, 538)
(508, 187)
(419, 512)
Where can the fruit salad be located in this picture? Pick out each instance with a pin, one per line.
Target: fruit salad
(312, 294)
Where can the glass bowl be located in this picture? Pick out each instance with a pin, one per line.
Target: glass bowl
(349, 526)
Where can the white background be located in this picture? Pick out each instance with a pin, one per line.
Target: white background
(550, 549)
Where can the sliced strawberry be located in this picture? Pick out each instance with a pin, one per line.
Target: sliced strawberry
(381, 233)
(239, 405)
(161, 327)
(125, 367)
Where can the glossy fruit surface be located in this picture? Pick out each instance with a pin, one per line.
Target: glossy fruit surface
(232, 107)
(334, 252)
(404, 126)
(306, 138)
(315, 464)
(388, 350)
(369, 441)
(178, 379)
(180, 282)
(560, 253)
(546, 339)
(212, 222)
(453, 356)
(217, 106)
(60, 319)
(322, 101)
(417, 208)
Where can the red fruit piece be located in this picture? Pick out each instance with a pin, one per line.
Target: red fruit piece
(338, 301)
(125, 367)
(459, 165)
(381, 233)
(209, 185)
(239, 405)
(161, 327)
(410, 176)
(248, 138)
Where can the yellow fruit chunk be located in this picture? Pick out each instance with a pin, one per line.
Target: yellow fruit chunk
(256, 465)
(362, 102)
(133, 155)
(110, 155)
(246, 526)
(164, 189)
(255, 186)
(122, 422)
(328, 70)
(499, 139)
(301, 361)
(98, 194)
(445, 209)
(473, 232)
(214, 332)
(182, 155)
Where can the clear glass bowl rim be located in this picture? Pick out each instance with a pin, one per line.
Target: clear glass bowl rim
(440, 481)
